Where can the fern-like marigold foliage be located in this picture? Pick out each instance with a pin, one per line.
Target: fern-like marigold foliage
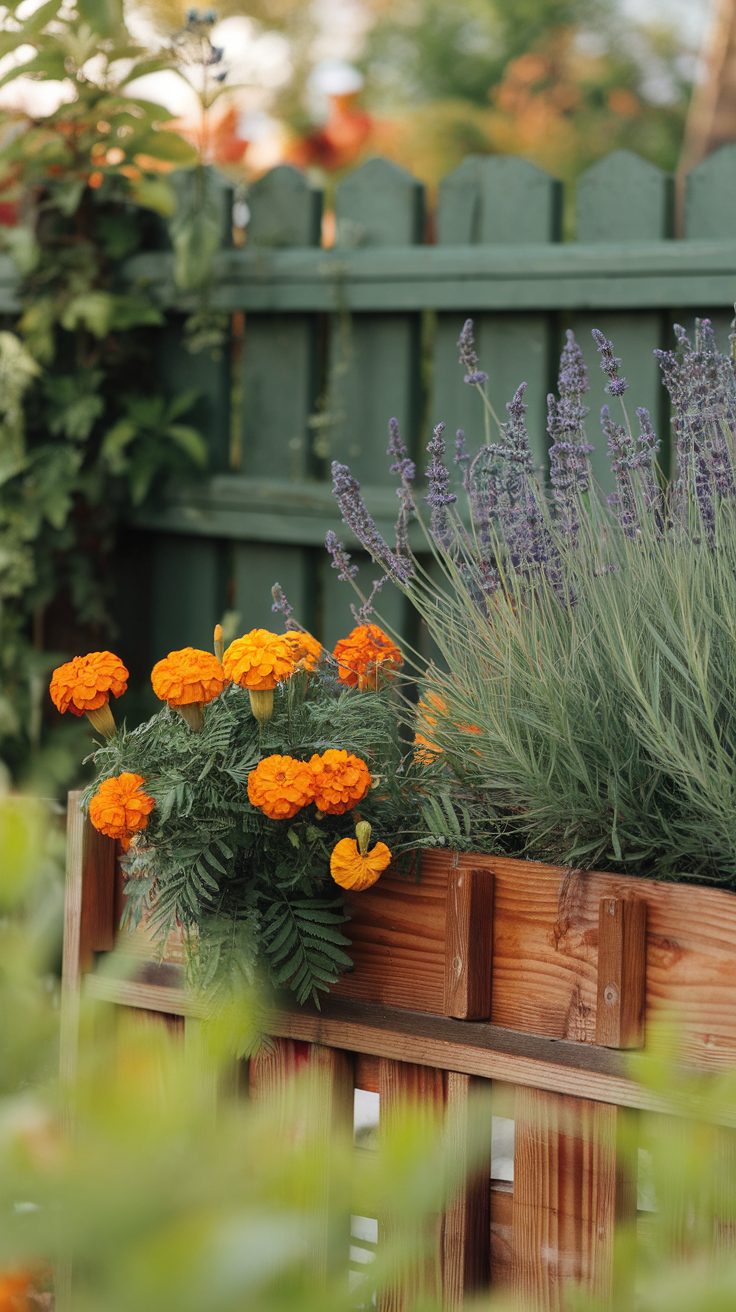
(259, 660)
(188, 677)
(120, 807)
(85, 683)
(339, 780)
(305, 649)
(280, 786)
(350, 868)
(365, 654)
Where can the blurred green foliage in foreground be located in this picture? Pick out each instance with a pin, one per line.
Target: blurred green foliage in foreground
(163, 1187)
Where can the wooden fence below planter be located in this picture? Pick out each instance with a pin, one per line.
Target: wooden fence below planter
(504, 944)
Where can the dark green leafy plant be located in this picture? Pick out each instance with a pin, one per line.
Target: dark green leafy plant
(86, 425)
(251, 893)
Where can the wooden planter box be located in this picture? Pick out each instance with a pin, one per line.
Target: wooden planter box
(590, 957)
(564, 954)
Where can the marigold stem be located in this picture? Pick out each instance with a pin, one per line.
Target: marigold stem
(102, 720)
(261, 704)
(194, 716)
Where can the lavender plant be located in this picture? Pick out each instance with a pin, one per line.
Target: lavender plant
(586, 686)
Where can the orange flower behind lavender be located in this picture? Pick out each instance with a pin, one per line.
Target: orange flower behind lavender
(84, 685)
(120, 808)
(365, 655)
(306, 650)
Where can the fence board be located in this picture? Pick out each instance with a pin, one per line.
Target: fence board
(402, 1085)
(567, 1197)
(466, 1229)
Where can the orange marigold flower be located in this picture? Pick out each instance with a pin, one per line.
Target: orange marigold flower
(305, 649)
(84, 684)
(120, 808)
(15, 1288)
(353, 866)
(340, 780)
(364, 654)
(430, 707)
(259, 660)
(188, 676)
(280, 786)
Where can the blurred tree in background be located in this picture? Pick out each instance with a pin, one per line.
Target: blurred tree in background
(560, 82)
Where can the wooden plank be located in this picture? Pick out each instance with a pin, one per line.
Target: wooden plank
(710, 197)
(489, 1051)
(402, 1085)
(624, 198)
(501, 1210)
(89, 918)
(468, 944)
(397, 933)
(280, 384)
(622, 949)
(513, 203)
(466, 1228)
(568, 1197)
(330, 1137)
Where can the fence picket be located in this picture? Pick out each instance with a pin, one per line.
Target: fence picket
(510, 201)
(710, 194)
(466, 1231)
(374, 366)
(402, 1084)
(569, 1192)
(623, 198)
(279, 382)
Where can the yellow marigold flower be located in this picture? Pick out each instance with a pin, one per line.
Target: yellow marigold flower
(259, 660)
(188, 676)
(364, 654)
(353, 866)
(84, 684)
(305, 649)
(340, 780)
(120, 807)
(280, 786)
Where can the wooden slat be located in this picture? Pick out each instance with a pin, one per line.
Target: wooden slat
(622, 948)
(373, 371)
(466, 1226)
(568, 1196)
(89, 910)
(280, 385)
(411, 916)
(513, 203)
(331, 1126)
(501, 1222)
(402, 1084)
(468, 944)
(627, 199)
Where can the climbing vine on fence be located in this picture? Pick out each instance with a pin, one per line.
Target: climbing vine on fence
(87, 426)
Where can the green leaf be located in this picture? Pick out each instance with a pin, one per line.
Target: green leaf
(92, 310)
(104, 16)
(168, 147)
(115, 442)
(155, 194)
(189, 441)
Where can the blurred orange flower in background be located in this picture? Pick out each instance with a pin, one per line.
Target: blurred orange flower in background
(364, 654)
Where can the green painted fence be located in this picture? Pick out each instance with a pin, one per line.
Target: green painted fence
(335, 341)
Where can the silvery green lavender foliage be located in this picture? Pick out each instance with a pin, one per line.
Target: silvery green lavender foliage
(589, 642)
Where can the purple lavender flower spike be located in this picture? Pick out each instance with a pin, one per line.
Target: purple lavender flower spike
(357, 517)
(403, 466)
(439, 496)
(340, 558)
(281, 606)
(362, 614)
(622, 456)
(469, 355)
(616, 385)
